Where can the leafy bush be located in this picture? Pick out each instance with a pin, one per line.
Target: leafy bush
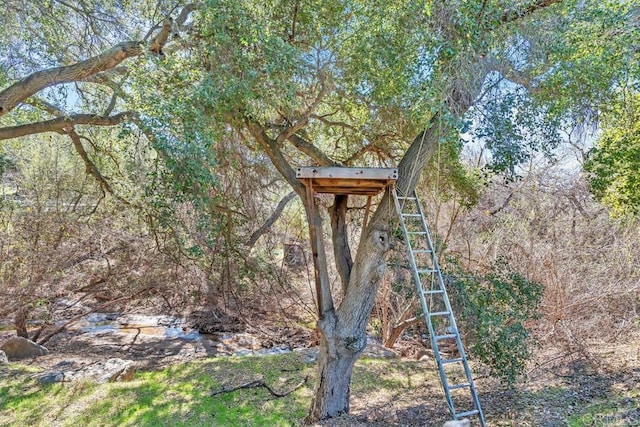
(493, 309)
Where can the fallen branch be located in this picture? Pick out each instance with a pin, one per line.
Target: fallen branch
(260, 383)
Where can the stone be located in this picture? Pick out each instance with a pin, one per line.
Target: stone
(52, 377)
(376, 350)
(460, 423)
(22, 348)
(3, 358)
(110, 370)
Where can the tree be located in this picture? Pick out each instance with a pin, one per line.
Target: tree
(340, 83)
(335, 83)
(614, 162)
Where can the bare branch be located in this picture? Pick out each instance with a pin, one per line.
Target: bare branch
(277, 158)
(260, 383)
(60, 124)
(161, 38)
(91, 167)
(328, 122)
(288, 132)
(32, 84)
(46, 106)
(271, 220)
(537, 5)
(84, 70)
(312, 151)
(185, 12)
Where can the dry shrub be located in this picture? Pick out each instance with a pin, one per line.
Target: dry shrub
(551, 230)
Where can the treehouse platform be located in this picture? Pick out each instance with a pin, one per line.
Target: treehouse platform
(342, 180)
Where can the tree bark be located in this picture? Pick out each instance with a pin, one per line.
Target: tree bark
(20, 322)
(336, 359)
(340, 238)
(59, 124)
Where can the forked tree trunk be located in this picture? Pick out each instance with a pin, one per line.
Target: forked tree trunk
(343, 331)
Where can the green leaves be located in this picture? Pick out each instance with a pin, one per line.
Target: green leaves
(614, 163)
(252, 70)
(494, 308)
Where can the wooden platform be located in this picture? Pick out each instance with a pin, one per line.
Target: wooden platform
(339, 180)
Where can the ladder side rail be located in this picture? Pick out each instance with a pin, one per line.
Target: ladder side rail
(452, 319)
(423, 302)
(412, 262)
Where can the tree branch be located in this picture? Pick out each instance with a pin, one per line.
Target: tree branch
(161, 38)
(537, 5)
(91, 167)
(60, 124)
(277, 158)
(312, 151)
(340, 238)
(46, 106)
(83, 70)
(23, 89)
(260, 383)
(271, 220)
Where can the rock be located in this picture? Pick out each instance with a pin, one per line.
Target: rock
(308, 355)
(110, 370)
(378, 351)
(52, 377)
(3, 358)
(21, 348)
(461, 423)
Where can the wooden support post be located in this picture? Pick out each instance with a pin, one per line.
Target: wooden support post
(313, 237)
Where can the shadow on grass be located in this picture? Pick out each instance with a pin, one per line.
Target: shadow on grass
(579, 397)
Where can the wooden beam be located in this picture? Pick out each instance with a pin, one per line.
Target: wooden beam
(346, 173)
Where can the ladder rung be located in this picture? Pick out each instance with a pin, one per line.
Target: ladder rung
(448, 361)
(459, 386)
(411, 215)
(426, 271)
(468, 413)
(444, 337)
(440, 313)
(417, 232)
(421, 251)
(407, 198)
(436, 291)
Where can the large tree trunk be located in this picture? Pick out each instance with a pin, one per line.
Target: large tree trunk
(336, 358)
(343, 332)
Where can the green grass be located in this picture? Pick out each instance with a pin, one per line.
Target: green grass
(614, 412)
(176, 396)
(180, 395)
